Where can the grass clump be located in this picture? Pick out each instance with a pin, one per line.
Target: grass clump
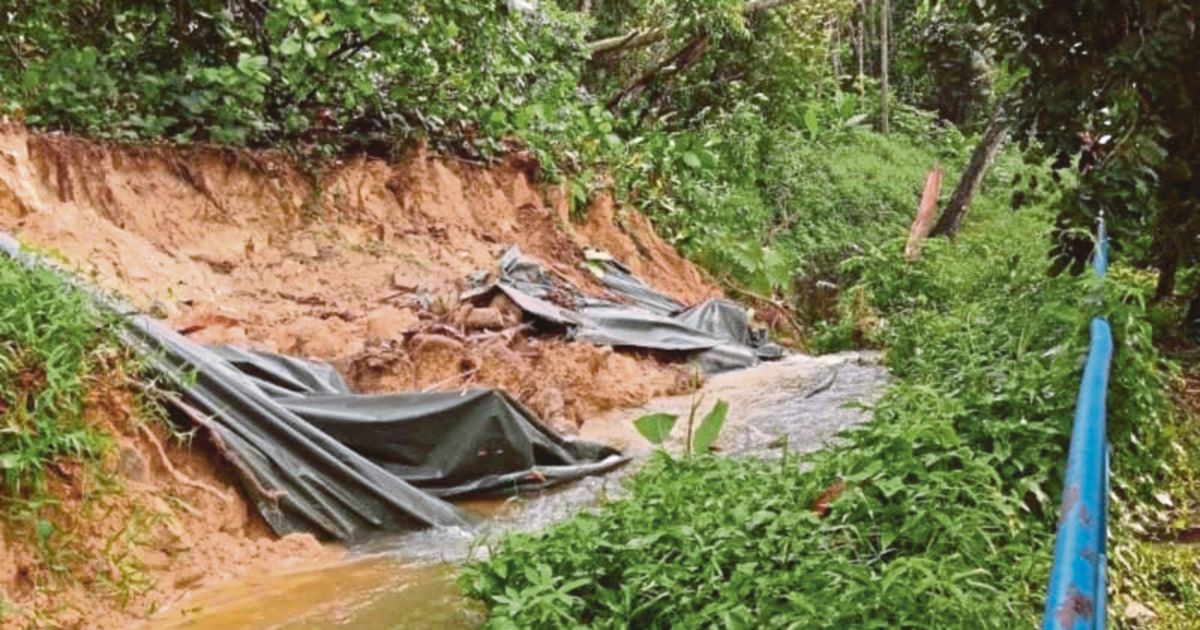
(51, 344)
(945, 504)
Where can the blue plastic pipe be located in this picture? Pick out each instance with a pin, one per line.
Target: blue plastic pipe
(1076, 599)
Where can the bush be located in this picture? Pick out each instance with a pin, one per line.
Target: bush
(948, 512)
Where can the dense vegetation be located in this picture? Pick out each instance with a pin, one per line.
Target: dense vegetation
(754, 134)
(950, 494)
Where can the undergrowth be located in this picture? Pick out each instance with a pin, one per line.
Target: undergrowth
(51, 343)
(944, 505)
(57, 352)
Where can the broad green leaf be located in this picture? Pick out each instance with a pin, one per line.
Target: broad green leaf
(656, 427)
(710, 427)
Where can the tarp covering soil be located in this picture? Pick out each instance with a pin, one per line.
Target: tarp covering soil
(316, 458)
(363, 271)
(716, 333)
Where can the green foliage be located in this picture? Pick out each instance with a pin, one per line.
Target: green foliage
(710, 427)
(1104, 96)
(50, 346)
(656, 427)
(341, 74)
(948, 511)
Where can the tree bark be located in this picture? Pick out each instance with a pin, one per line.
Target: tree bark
(985, 152)
(680, 60)
(836, 45)
(884, 35)
(859, 30)
(1191, 320)
(645, 37)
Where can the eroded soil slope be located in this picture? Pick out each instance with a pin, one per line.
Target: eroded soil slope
(363, 271)
(109, 544)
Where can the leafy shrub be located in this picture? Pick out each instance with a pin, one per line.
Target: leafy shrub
(940, 512)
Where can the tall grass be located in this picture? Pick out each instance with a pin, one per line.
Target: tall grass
(51, 343)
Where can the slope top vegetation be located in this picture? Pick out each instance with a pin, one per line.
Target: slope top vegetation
(782, 146)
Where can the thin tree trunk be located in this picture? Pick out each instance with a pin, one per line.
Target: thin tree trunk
(985, 152)
(1191, 321)
(836, 53)
(677, 61)
(859, 29)
(884, 36)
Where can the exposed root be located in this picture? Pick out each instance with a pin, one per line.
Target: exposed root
(175, 474)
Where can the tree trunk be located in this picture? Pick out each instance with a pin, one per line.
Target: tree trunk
(859, 29)
(836, 53)
(680, 60)
(884, 35)
(1191, 321)
(1168, 268)
(960, 202)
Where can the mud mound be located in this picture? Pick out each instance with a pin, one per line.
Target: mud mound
(238, 247)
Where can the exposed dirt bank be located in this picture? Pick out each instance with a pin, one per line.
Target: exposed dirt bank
(113, 543)
(364, 271)
(238, 248)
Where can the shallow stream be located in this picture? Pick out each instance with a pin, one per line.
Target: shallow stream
(408, 581)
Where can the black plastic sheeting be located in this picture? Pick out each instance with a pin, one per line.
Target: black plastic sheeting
(316, 458)
(716, 333)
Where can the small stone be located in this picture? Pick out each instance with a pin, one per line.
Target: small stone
(131, 464)
(436, 342)
(404, 281)
(1139, 615)
(484, 319)
(306, 248)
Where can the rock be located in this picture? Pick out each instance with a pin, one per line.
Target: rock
(314, 337)
(436, 342)
(484, 319)
(390, 322)
(306, 248)
(405, 282)
(131, 464)
(1139, 615)
(508, 309)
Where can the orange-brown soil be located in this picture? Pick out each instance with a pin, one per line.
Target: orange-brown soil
(362, 270)
(133, 532)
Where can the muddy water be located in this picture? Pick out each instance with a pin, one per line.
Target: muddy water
(408, 581)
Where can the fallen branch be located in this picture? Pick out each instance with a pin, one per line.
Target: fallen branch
(793, 323)
(686, 56)
(202, 420)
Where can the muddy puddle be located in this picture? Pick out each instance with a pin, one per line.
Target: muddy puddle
(408, 581)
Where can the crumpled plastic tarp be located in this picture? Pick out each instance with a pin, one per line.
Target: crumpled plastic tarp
(716, 332)
(316, 458)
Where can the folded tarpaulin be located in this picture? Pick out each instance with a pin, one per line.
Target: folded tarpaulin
(316, 458)
(716, 332)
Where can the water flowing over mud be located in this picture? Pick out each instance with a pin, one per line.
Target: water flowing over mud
(409, 581)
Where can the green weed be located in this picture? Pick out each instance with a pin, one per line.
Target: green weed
(51, 343)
